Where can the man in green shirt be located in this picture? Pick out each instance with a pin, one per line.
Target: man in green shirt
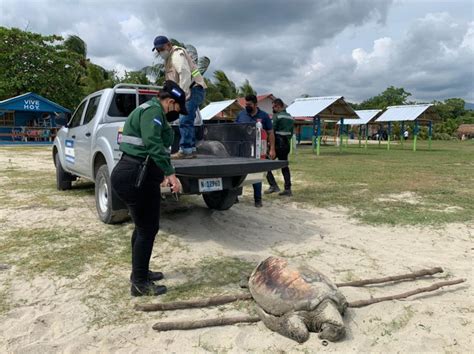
(144, 166)
(283, 128)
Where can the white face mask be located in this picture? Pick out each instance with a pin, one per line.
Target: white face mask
(164, 54)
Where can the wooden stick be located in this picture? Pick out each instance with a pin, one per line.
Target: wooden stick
(420, 273)
(212, 301)
(224, 321)
(435, 286)
(225, 299)
(211, 322)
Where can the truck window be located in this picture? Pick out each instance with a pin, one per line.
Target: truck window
(145, 98)
(76, 117)
(91, 109)
(122, 105)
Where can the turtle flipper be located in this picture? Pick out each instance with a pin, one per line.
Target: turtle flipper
(289, 325)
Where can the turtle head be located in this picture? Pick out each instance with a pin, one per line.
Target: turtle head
(332, 332)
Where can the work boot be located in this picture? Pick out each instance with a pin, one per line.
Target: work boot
(272, 189)
(258, 204)
(286, 193)
(155, 276)
(181, 156)
(152, 276)
(147, 289)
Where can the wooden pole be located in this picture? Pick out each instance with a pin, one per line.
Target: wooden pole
(211, 322)
(341, 134)
(402, 134)
(415, 135)
(430, 131)
(389, 132)
(314, 134)
(177, 305)
(225, 299)
(436, 286)
(412, 276)
(318, 136)
(366, 135)
(224, 321)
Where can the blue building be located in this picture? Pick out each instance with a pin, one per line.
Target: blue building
(30, 117)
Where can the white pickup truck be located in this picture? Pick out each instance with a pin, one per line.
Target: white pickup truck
(88, 147)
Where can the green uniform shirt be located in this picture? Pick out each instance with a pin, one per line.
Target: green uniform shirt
(148, 123)
(283, 123)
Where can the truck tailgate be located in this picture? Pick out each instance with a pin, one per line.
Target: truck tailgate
(209, 166)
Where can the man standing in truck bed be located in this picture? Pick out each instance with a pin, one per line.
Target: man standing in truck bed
(180, 68)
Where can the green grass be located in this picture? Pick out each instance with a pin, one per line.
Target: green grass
(210, 276)
(63, 253)
(356, 178)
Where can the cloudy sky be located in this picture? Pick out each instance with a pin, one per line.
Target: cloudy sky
(354, 48)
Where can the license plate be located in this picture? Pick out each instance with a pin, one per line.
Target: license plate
(210, 184)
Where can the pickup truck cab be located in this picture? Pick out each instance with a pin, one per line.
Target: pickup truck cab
(88, 147)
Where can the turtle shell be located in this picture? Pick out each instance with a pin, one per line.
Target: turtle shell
(280, 287)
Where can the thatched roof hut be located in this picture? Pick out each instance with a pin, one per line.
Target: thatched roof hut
(466, 130)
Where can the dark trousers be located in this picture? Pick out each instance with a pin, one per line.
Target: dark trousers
(257, 191)
(144, 206)
(282, 149)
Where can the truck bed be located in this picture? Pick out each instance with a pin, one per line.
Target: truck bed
(211, 166)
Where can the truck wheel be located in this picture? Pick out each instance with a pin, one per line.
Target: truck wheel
(221, 200)
(63, 179)
(109, 207)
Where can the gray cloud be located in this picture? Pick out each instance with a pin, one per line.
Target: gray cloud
(287, 48)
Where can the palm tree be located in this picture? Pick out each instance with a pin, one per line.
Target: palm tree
(246, 89)
(224, 85)
(75, 44)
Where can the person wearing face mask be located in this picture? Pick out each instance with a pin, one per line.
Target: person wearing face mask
(180, 68)
(283, 127)
(253, 114)
(144, 166)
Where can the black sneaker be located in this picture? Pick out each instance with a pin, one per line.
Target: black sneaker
(286, 193)
(272, 189)
(258, 204)
(152, 276)
(147, 289)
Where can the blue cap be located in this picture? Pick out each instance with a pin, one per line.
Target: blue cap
(159, 42)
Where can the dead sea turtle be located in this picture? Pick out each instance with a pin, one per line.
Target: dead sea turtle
(294, 301)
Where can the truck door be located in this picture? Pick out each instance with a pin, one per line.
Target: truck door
(70, 141)
(84, 135)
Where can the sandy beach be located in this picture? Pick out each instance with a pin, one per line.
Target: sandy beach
(75, 314)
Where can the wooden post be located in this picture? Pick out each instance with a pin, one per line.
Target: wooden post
(430, 131)
(415, 134)
(360, 135)
(318, 136)
(380, 135)
(389, 132)
(402, 134)
(341, 134)
(314, 134)
(366, 135)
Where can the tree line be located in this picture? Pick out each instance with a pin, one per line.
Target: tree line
(58, 68)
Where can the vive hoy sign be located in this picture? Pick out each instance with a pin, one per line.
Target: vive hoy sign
(31, 105)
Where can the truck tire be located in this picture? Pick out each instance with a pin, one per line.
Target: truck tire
(109, 208)
(63, 179)
(221, 200)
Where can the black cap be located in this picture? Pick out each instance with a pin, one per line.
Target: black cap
(177, 94)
